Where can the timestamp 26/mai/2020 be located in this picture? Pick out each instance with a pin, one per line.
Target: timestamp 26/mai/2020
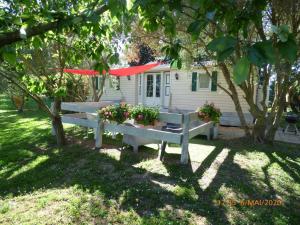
(250, 202)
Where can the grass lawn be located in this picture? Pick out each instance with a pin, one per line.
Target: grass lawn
(43, 184)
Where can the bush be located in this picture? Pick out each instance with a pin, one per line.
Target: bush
(117, 113)
(208, 112)
(144, 115)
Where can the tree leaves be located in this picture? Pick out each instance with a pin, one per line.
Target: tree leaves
(288, 49)
(256, 57)
(195, 28)
(224, 46)
(241, 70)
(261, 53)
(9, 55)
(176, 64)
(282, 32)
(37, 42)
(286, 45)
(222, 43)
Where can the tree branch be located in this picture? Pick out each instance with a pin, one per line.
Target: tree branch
(36, 98)
(14, 36)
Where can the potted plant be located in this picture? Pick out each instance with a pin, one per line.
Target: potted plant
(208, 112)
(145, 116)
(115, 113)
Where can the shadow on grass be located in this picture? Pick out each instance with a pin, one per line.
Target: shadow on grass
(26, 167)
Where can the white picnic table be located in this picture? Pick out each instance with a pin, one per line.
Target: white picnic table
(90, 119)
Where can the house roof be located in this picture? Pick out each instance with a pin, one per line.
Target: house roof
(160, 67)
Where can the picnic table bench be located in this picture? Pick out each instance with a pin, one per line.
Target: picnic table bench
(166, 135)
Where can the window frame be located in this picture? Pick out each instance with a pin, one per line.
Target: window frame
(140, 84)
(152, 95)
(198, 82)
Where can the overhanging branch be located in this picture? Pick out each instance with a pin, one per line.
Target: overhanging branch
(14, 36)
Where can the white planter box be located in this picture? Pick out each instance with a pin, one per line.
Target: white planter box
(215, 131)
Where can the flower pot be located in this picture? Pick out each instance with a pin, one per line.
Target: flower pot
(158, 125)
(206, 120)
(142, 125)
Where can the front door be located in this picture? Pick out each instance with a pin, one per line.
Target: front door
(153, 89)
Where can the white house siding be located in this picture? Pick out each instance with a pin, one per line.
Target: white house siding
(128, 89)
(183, 98)
(110, 93)
(127, 92)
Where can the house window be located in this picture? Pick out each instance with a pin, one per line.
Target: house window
(140, 84)
(167, 78)
(115, 83)
(203, 81)
(110, 81)
(149, 85)
(157, 86)
(97, 83)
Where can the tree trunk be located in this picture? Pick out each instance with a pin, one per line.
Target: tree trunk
(18, 101)
(20, 109)
(259, 129)
(97, 94)
(271, 131)
(235, 98)
(283, 71)
(57, 123)
(59, 131)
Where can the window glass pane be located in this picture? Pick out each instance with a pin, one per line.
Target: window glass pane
(157, 86)
(110, 81)
(204, 80)
(97, 83)
(140, 85)
(167, 78)
(149, 92)
(115, 82)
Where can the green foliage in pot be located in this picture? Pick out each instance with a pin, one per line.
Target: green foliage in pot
(117, 113)
(208, 112)
(144, 115)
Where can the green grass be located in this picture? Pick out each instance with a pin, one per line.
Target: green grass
(43, 184)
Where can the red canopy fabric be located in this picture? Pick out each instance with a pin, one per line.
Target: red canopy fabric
(128, 71)
(82, 72)
(132, 70)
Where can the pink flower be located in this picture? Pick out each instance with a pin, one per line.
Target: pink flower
(140, 117)
(126, 114)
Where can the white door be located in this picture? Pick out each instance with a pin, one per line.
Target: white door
(153, 89)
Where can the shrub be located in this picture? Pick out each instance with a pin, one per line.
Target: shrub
(117, 113)
(208, 112)
(144, 115)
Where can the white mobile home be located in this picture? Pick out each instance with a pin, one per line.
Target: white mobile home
(177, 90)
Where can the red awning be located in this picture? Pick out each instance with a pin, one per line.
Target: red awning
(132, 70)
(82, 72)
(128, 71)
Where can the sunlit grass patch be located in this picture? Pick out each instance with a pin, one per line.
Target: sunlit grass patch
(186, 193)
(43, 184)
